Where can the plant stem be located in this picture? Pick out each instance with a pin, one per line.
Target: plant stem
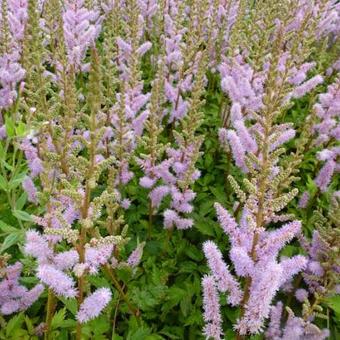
(49, 313)
(116, 283)
(150, 222)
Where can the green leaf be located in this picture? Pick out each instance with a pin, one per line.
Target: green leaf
(219, 194)
(194, 253)
(204, 227)
(116, 337)
(69, 323)
(175, 295)
(9, 241)
(22, 215)
(21, 129)
(99, 325)
(14, 324)
(7, 229)
(16, 181)
(334, 303)
(21, 201)
(7, 165)
(58, 318)
(70, 304)
(2, 152)
(29, 325)
(10, 127)
(3, 183)
(187, 267)
(195, 318)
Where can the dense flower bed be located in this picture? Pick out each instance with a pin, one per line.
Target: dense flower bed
(169, 169)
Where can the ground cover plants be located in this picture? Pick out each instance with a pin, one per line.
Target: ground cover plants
(169, 169)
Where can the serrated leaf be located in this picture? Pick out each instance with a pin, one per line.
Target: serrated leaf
(187, 267)
(219, 194)
(195, 318)
(14, 324)
(204, 227)
(58, 318)
(70, 304)
(69, 323)
(194, 253)
(29, 325)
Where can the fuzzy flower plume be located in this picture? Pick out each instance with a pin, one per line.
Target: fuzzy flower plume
(295, 327)
(245, 88)
(93, 305)
(211, 305)
(13, 18)
(58, 281)
(267, 274)
(136, 256)
(327, 130)
(320, 276)
(81, 28)
(265, 284)
(15, 297)
(30, 189)
(224, 280)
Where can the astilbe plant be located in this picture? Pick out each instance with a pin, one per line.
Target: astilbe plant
(107, 106)
(326, 115)
(321, 278)
(71, 161)
(81, 28)
(257, 99)
(128, 113)
(14, 296)
(13, 17)
(183, 76)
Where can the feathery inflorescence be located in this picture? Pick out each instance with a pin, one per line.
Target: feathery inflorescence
(140, 113)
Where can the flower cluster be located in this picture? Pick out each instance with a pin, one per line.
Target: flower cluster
(265, 272)
(254, 135)
(328, 131)
(13, 17)
(15, 297)
(144, 111)
(81, 27)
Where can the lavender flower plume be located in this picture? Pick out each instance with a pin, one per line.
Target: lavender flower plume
(15, 297)
(225, 281)
(325, 175)
(93, 305)
(30, 189)
(307, 86)
(81, 27)
(59, 282)
(274, 329)
(211, 305)
(237, 148)
(37, 246)
(265, 283)
(136, 256)
(228, 224)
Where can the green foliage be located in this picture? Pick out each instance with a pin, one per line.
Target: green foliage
(166, 287)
